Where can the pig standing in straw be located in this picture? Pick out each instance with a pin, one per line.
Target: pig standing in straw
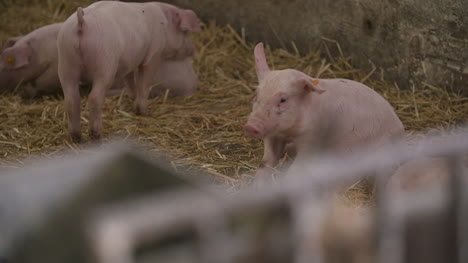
(109, 39)
(38, 75)
(32, 61)
(290, 106)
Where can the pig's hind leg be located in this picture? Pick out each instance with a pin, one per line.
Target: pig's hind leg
(95, 103)
(142, 90)
(71, 94)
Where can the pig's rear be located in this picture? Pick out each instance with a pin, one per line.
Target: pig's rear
(82, 49)
(69, 58)
(364, 117)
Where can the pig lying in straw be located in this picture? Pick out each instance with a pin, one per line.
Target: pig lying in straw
(289, 108)
(109, 39)
(40, 76)
(31, 60)
(178, 77)
(175, 77)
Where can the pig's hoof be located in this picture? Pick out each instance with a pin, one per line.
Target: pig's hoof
(94, 135)
(76, 137)
(26, 97)
(140, 111)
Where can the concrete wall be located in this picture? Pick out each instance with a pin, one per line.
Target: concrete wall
(415, 41)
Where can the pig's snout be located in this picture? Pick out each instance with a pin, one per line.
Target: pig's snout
(254, 130)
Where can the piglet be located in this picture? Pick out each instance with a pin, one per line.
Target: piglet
(177, 76)
(290, 107)
(31, 60)
(109, 39)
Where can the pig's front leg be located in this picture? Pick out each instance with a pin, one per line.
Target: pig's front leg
(28, 91)
(95, 102)
(71, 92)
(47, 82)
(272, 153)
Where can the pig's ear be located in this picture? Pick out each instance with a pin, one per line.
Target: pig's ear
(309, 85)
(11, 42)
(16, 57)
(187, 20)
(261, 65)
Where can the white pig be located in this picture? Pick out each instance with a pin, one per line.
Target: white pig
(177, 76)
(32, 61)
(40, 75)
(290, 106)
(109, 39)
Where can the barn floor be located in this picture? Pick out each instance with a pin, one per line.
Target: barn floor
(205, 130)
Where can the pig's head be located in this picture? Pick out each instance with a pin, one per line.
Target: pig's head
(280, 97)
(15, 55)
(11, 42)
(180, 23)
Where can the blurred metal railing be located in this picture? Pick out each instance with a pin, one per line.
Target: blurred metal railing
(285, 221)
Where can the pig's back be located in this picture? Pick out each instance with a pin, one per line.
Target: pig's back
(130, 24)
(363, 116)
(46, 32)
(46, 43)
(118, 33)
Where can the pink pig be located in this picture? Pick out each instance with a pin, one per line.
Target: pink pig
(177, 76)
(40, 75)
(109, 39)
(32, 61)
(290, 106)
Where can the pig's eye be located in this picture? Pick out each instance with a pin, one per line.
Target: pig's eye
(283, 100)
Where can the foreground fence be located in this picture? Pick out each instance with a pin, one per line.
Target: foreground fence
(121, 207)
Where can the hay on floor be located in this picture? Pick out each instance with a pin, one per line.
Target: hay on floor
(205, 130)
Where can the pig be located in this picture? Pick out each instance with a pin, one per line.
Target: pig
(289, 108)
(177, 76)
(109, 39)
(31, 60)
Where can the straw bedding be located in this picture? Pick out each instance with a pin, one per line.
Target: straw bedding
(205, 130)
